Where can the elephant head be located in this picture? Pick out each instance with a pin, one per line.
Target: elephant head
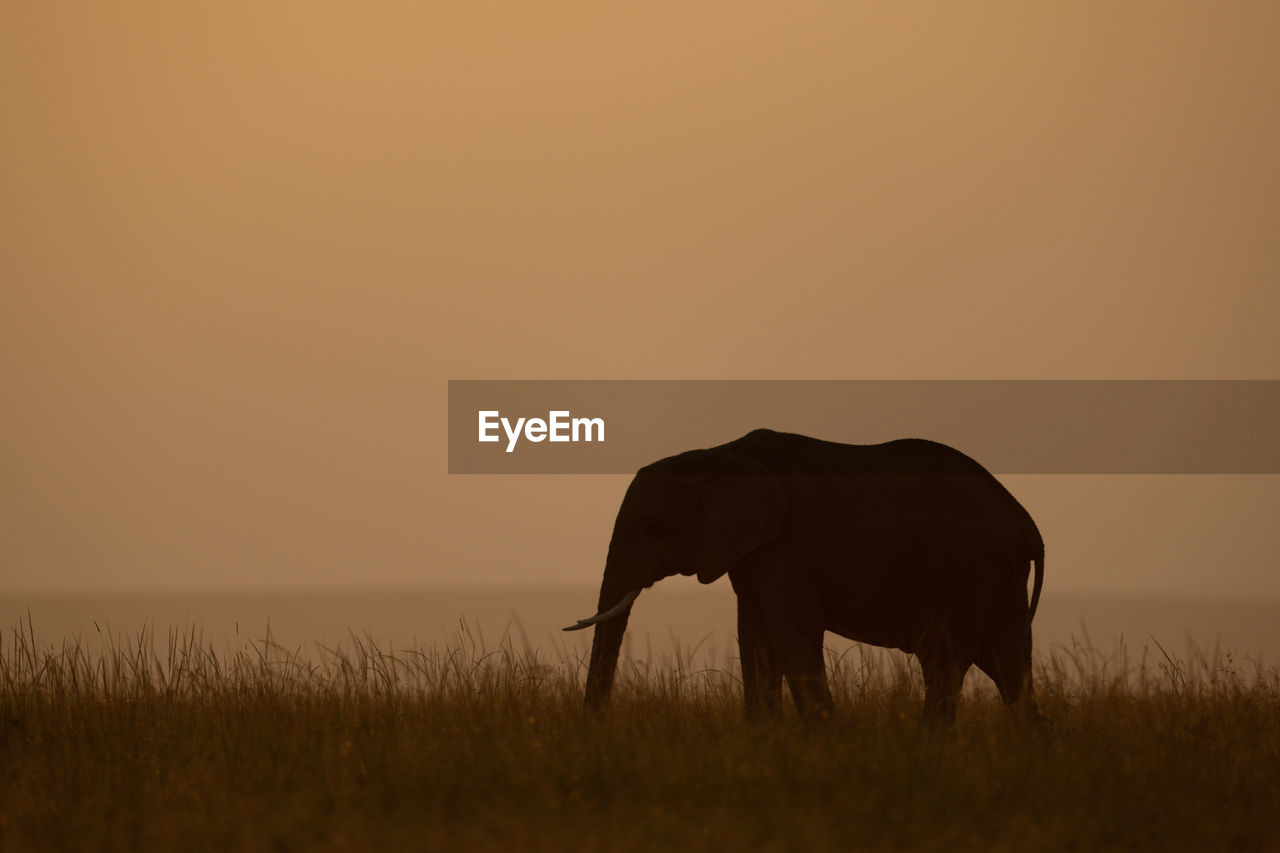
(699, 513)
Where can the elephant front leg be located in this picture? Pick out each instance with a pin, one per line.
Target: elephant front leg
(784, 611)
(805, 668)
(761, 675)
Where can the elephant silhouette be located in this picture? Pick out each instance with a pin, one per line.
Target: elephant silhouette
(908, 544)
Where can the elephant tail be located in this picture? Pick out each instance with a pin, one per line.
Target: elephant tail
(1039, 582)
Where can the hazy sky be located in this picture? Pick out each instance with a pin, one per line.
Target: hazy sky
(242, 249)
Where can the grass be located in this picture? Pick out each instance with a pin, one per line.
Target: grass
(163, 744)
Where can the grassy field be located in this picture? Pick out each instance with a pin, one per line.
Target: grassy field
(160, 744)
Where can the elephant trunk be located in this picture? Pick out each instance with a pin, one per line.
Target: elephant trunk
(605, 648)
(606, 645)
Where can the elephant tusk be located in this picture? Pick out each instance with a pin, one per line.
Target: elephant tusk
(605, 615)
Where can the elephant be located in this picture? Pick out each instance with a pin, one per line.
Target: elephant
(909, 544)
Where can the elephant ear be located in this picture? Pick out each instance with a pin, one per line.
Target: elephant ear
(741, 509)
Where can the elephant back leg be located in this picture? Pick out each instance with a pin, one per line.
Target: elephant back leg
(943, 662)
(1005, 656)
(761, 674)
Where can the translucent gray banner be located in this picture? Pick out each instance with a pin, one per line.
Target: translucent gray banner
(1010, 426)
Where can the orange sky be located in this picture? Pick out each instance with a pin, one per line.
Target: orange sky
(243, 249)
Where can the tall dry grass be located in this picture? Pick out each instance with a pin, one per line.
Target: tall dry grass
(161, 743)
